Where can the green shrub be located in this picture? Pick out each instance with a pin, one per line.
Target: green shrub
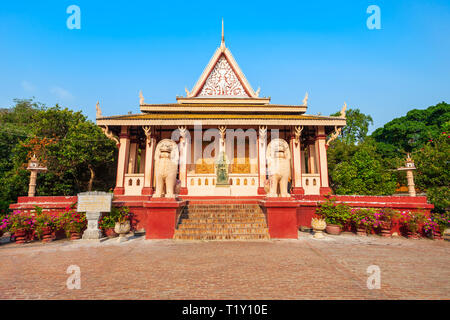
(337, 214)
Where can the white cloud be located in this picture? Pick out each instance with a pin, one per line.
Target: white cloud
(28, 86)
(61, 93)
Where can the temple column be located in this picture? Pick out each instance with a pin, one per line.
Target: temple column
(132, 157)
(302, 156)
(262, 145)
(322, 163)
(184, 147)
(312, 158)
(142, 161)
(148, 167)
(122, 162)
(297, 188)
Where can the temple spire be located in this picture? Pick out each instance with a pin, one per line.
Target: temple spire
(223, 36)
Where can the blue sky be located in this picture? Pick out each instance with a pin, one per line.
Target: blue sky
(286, 48)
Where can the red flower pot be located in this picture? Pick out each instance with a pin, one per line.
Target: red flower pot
(333, 229)
(413, 235)
(361, 231)
(75, 235)
(437, 235)
(110, 233)
(385, 228)
(20, 235)
(47, 234)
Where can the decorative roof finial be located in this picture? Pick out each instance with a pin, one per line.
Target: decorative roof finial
(305, 100)
(141, 98)
(98, 113)
(344, 107)
(223, 36)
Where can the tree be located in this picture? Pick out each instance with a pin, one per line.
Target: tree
(86, 147)
(357, 126)
(15, 124)
(360, 170)
(433, 171)
(411, 132)
(78, 155)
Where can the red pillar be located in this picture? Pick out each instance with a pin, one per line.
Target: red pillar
(162, 216)
(281, 218)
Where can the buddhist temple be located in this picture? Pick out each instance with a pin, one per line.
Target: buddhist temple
(222, 103)
(223, 163)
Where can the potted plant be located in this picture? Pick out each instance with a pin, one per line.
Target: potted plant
(335, 215)
(383, 220)
(73, 223)
(363, 220)
(318, 225)
(412, 220)
(108, 222)
(431, 229)
(122, 226)
(440, 223)
(45, 224)
(20, 224)
(3, 225)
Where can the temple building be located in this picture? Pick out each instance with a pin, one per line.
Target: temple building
(222, 104)
(223, 163)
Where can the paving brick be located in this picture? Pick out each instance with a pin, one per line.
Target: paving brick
(333, 268)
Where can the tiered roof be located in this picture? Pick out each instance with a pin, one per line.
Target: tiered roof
(221, 96)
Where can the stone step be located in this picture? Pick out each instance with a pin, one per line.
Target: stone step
(222, 222)
(205, 236)
(221, 205)
(246, 207)
(191, 224)
(225, 220)
(221, 215)
(222, 210)
(222, 230)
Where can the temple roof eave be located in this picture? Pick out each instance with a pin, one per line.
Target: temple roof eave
(270, 121)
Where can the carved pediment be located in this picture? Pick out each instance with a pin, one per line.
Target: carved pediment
(223, 82)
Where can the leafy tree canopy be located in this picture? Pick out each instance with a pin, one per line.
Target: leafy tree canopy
(357, 126)
(433, 171)
(412, 131)
(77, 154)
(360, 170)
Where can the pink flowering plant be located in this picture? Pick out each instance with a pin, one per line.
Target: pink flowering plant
(384, 217)
(4, 224)
(72, 221)
(363, 218)
(431, 227)
(18, 220)
(442, 220)
(412, 220)
(45, 219)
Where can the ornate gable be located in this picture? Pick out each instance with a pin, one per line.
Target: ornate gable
(222, 82)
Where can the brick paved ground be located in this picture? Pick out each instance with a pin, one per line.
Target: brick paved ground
(334, 268)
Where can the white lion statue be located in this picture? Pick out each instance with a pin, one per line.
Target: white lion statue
(166, 168)
(279, 165)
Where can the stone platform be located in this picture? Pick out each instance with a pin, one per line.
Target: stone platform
(283, 216)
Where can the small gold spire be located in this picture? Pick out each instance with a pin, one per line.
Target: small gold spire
(223, 35)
